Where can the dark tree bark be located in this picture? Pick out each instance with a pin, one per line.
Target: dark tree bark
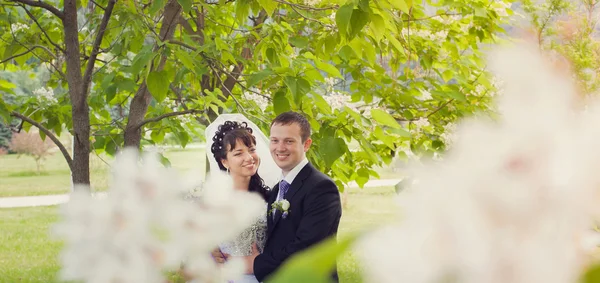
(141, 100)
(80, 109)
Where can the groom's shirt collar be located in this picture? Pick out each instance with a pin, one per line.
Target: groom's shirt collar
(294, 172)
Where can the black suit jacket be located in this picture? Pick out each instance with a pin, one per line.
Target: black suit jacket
(314, 215)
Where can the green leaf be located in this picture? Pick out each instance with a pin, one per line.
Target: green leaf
(332, 70)
(347, 53)
(332, 149)
(110, 92)
(157, 5)
(384, 118)
(111, 147)
(592, 274)
(290, 82)
(164, 160)
(281, 103)
(7, 84)
(400, 4)
(4, 111)
(315, 264)
(257, 77)
(268, 5)
(342, 18)
(401, 132)
(186, 59)
(377, 26)
(186, 5)
(447, 75)
(158, 85)
(299, 41)
(141, 59)
(358, 20)
(382, 136)
(321, 103)
(363, 177)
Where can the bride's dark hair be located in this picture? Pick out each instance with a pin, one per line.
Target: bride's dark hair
(227, 135)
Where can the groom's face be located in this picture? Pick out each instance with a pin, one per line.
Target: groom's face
(287, 147)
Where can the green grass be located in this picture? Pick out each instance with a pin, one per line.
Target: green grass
(28, 254)
(19, 177)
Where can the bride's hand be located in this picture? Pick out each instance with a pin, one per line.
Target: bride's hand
(250, 259)
(218, 256)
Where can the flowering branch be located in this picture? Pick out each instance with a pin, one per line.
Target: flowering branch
(32, 17)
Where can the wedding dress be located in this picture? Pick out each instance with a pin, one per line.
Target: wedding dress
(242, 244)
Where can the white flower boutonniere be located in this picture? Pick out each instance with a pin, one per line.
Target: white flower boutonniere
(283, 206)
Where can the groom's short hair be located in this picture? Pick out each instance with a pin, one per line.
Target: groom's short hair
(291, 117)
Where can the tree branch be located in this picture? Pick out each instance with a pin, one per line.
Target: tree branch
(304, 7)
(309, 19)
(44, 5)
(439, 108)
(87, 77)
(98, 5)
(30, 50)
(48, 134)
(31, 16)
(19, 55)
(167, 115)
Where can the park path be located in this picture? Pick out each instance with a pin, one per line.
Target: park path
(11, 202)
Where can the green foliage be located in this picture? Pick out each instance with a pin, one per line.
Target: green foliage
(383, 56)
(5, 136)
(315, 264)
(569, 28)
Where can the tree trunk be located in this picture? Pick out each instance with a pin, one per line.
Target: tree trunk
(80, 109)
(141, 100)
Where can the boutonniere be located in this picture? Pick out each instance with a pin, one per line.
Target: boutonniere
(283, 206)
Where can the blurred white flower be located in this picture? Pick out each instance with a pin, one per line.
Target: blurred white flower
(18, 26)
(449, 136)
(421, 122)
(512, 201)
(45, 95)
(258, 96)
(144, 226)
(337, 100)
(425, 95)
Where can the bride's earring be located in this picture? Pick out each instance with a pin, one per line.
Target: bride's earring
(227, 170)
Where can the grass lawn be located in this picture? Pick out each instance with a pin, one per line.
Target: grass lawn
(19, 177)
(28, 254)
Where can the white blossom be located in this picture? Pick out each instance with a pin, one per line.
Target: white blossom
(425, 95)
(18, 27)
(512, 201)
(45, 95)
(258, 96)
(421, 122)
(449, 136)
(144, 226)
(312, 2)
(337, 100)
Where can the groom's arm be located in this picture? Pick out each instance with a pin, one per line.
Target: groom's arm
(322, 212)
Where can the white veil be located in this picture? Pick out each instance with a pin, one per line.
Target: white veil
(268, 169)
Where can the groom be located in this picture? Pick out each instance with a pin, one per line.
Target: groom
(315, 208)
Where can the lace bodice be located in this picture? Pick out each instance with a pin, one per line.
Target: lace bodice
(242, 244)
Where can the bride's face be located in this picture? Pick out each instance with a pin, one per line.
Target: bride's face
(242, 160)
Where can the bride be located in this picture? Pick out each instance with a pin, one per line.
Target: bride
(237, 146)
